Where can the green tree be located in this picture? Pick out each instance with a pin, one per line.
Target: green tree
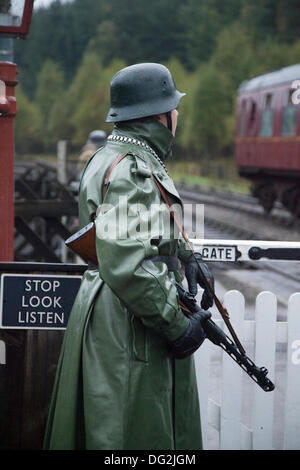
(204, 19)
(140, 31)
(272, 55)
(50, 88)
(259, 18)
(287, 20)
(59, 126)
(28, 129)
(294, 53)
(212, 107)
(186, 82)
(272, 19)
(59, 32)
(89, 97)
(235, 55)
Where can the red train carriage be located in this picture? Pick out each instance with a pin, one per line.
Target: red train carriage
(267, 141)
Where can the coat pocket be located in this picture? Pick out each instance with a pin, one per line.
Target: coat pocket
(139, 340)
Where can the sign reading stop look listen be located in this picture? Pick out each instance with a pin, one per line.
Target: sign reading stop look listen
(37, 301)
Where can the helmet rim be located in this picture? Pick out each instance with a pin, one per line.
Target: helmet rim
(136, 111)
(142, 90)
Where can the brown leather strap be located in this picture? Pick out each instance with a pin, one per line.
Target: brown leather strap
(115, 162)
(165, 198)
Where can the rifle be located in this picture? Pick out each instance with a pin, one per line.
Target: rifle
(217, 336)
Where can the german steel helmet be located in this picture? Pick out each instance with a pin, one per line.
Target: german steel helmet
(142, 90)
(97, 137)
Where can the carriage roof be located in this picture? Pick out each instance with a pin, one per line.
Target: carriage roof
(277, 77)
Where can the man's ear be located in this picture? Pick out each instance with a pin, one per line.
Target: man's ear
(161, 118)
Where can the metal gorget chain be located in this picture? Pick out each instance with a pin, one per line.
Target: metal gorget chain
(131, 140)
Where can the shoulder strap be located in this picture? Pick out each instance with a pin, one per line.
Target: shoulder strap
(166, 199)
(115, 162)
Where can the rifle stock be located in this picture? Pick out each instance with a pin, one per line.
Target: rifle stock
(83, 243)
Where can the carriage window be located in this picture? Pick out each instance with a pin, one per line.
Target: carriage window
(289, 116)
(268, 101)
(242, 123)
(252, 120)
(266, 123)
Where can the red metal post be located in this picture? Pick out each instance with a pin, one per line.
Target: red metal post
(8, 110)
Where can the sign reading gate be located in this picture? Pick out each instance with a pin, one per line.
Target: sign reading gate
(37, 301)
(220, 253)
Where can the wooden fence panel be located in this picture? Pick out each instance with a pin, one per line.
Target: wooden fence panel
(201, 357)
(292, 399)
(265, 348)
(230, 437)
(264, 333)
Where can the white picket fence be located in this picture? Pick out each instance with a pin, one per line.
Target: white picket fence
(235, 412)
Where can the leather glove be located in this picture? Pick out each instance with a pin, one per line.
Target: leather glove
(194, 276)
(193, 336)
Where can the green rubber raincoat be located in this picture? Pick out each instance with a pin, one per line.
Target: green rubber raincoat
(117, 386)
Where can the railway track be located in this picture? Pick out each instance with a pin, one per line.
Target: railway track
(240, 202)
(240, 215)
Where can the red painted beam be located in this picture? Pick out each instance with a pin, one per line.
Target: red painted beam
(8, 110)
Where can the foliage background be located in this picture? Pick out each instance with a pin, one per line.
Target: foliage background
(210, 46)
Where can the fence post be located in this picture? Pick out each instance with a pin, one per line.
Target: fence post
(62, 178)
(202, 360)
(292, 398)
(2, 352)
(230, 432)
(62, 161)
(265, 348)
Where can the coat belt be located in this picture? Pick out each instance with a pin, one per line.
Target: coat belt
(172, 262)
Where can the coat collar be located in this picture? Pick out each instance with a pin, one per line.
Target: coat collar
(150, 131)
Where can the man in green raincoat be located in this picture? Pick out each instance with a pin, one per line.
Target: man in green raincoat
(126, 377)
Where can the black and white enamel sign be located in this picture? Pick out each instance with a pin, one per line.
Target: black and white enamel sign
(41, 301)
